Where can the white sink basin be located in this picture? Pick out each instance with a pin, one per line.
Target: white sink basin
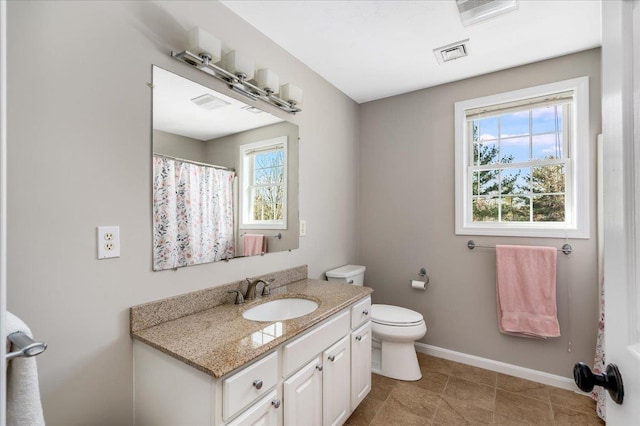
(281, 309)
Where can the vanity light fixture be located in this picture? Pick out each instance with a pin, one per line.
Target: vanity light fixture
(268, 81)
(239, 65)
(204, 44)
(473, 11)
(237, 71)
(291, 93)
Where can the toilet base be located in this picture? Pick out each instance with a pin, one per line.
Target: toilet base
(395, 360)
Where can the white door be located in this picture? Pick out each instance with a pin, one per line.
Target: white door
(620, 84)
(303, 396)
(336, 383)
(360, 364)
(3, 202)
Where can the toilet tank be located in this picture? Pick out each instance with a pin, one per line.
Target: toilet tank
(349, 274)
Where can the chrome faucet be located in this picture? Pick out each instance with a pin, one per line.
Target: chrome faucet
(251, 288)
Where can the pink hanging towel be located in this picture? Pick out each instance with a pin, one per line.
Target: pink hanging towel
(526, 291)
(254, 244)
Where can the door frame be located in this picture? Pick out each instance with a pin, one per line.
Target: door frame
(621, 189)
(3, 205)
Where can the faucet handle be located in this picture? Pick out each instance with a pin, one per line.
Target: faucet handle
(266, 291)
(239, 297)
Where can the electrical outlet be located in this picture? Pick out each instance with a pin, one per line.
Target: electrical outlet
(303, 228)
(108, 242)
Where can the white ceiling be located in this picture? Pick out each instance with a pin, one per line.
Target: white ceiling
(174, 112)
(375, 49)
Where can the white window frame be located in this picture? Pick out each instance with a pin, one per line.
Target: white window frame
(245, 182)
(576, 223)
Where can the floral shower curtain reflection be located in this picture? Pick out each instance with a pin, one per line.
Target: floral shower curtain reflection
(192, 214)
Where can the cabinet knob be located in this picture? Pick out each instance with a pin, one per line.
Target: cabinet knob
(276, 403)
(331, 358)
(358, 338)
(365, 312)
(258, 384)
(319, 367)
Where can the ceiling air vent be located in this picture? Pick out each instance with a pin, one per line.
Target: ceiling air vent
(473, 11)
(452, 51)
(208, 101)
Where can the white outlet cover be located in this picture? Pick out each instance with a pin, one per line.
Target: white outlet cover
(303, 228)
(108, 241)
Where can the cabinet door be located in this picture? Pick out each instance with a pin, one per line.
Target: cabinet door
(262, 413)
(360, 364)
(303, 396)
(336, 384)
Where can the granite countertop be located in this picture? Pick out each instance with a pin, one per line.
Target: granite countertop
(219, 340)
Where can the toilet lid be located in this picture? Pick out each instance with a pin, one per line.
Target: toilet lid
(394, 315)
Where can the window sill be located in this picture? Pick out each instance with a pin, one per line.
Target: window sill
(509, 230)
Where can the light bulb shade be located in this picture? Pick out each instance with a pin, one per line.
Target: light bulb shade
(237, 63)
(268, 80)
(201, 42)
(291, 93)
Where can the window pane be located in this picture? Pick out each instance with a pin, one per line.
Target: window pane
(475, 183)
(547, 147)
(514, 150)
(488, 128)
(514, 124)
(515, 181)
(269, 175)
(515, 209)
(544, 119)
(548, 208)
(267, 203)
(488, 182)
(548, 179)
(487, 154)
(485, 209)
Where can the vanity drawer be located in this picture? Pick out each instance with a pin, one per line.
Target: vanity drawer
(248, 384)
(301, 350)
(360, 312)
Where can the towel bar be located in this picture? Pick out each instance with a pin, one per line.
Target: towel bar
(566, 249)
(278, 235)
(27, 347)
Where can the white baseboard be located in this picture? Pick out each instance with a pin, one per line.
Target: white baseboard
(500, 367)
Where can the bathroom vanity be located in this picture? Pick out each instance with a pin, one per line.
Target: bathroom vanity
(214, 367)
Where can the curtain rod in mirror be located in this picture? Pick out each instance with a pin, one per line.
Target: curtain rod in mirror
(234, 82)
(197, 163)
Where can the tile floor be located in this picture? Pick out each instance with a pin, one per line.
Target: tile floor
(451, 393)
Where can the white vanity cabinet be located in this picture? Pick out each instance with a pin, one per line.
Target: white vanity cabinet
(303, 395)
(336, 402)
(360, 363)
(263, 413)
(317, 378)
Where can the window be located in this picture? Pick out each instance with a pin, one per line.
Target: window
(264, 184)
(522, 162)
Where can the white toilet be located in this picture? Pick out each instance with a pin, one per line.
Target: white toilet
(395, 329)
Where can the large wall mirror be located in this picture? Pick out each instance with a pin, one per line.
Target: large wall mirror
(225, 176)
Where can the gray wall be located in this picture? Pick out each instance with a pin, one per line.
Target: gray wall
(227, 148)
(79, 156)
(406, 221)
(178, 146)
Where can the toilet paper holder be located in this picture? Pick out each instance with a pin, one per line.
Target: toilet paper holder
(424, 280)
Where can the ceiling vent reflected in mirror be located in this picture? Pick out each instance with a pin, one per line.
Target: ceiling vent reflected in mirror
(209, 102)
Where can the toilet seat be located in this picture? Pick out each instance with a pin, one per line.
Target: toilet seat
(395, 316)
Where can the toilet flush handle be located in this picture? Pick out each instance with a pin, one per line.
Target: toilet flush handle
(350, 282)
